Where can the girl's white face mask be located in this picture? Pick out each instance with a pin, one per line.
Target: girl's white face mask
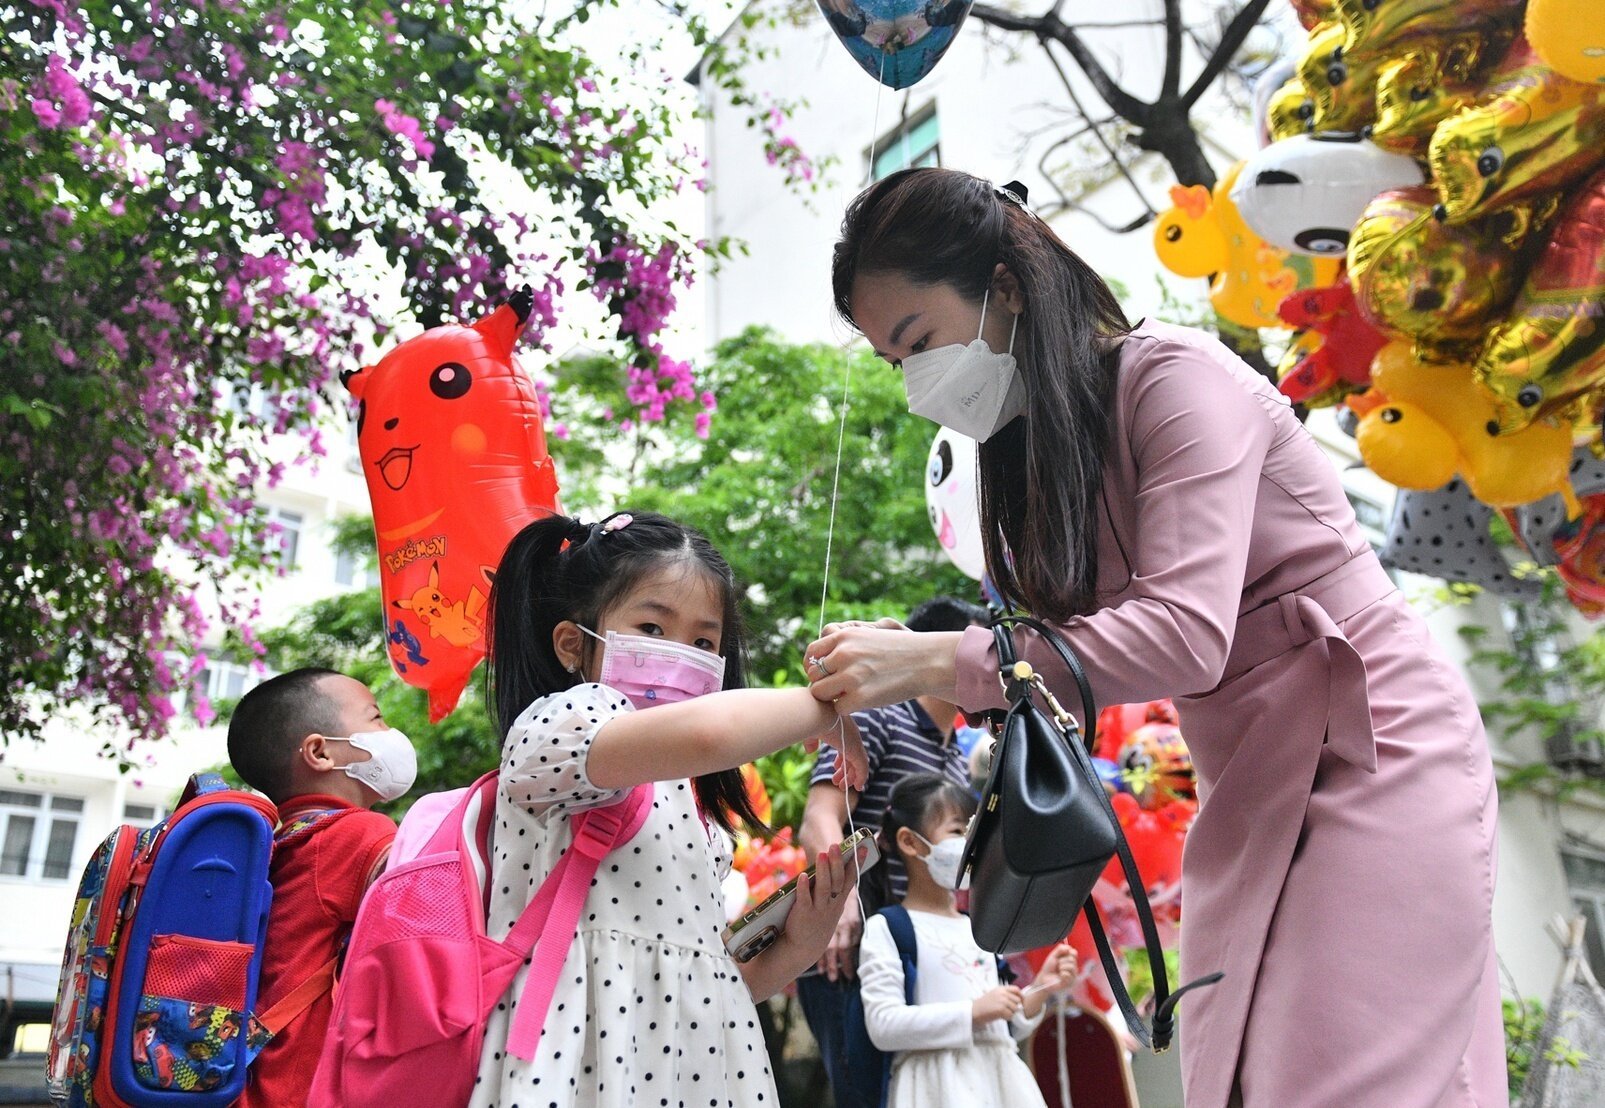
(970, 389)
(943, 861)
(392, 764)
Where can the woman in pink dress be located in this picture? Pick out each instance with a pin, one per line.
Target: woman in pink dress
(1158, 501)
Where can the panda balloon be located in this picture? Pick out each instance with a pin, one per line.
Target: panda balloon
(1305, 193)
(952, 496)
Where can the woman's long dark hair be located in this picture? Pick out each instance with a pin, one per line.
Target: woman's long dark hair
(1041, 477)
(559, 569)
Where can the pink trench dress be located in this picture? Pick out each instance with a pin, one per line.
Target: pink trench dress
(1341, 869)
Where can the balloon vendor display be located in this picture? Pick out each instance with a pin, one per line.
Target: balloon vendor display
(952, 497)
(452, 445)
(1203, 235)
(897, 42)
(1452, 154)
(1155, 799)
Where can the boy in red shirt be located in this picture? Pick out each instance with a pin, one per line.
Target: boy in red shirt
(313, 741)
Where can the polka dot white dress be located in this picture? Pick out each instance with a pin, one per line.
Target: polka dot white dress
(649, 1010)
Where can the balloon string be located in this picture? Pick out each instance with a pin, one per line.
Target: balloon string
(841, 431)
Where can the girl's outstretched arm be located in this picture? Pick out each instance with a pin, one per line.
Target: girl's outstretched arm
(716, 732)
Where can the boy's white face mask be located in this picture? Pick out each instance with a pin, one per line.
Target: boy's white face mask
(392, 764)
(970, 389)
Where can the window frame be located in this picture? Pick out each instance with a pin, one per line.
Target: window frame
(53, 810)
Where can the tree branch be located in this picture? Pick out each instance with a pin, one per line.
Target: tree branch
(1173, 27)
(1231, 41)
(1050, 27)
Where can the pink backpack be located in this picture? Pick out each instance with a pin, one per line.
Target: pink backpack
(421, 976)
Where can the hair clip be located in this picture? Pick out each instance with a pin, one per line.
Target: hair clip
(617, 523)
(1013, 192)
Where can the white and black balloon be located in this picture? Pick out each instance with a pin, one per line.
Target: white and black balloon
(897, 42)
(953, 498)
(1444, 533)
(1305, 193)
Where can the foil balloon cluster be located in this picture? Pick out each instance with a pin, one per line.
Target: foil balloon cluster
(897, 42)
(454, 451)
(1452, 153)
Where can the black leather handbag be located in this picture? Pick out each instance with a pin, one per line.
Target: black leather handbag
(1045, 831)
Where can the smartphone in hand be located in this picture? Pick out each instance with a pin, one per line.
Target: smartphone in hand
(755, 932)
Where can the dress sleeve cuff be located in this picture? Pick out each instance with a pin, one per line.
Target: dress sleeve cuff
(977, 686)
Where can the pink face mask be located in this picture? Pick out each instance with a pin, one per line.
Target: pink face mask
(652, 671)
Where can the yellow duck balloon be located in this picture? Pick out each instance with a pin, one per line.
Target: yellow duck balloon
(1433, 421)
(1551, 350)
(1570, 36)
(1535, 138)
(1204, 236)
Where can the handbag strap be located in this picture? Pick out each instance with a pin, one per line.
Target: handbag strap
(1164, 1000)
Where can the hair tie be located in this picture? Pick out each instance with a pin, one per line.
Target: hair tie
(1013, 193)
(577, 534)
(617, 522)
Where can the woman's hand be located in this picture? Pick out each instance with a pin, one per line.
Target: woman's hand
(857, 665)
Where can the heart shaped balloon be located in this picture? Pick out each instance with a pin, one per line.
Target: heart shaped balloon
(896, 41)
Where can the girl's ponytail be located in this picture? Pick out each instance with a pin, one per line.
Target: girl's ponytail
(523, 664)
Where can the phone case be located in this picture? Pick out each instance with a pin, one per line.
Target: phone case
(753, 933)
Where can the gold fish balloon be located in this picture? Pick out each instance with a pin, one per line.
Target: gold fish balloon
(1289, 111)
(1433, 422)
(1429, 84)
(1384, 24)
(1535, 138)
(1570, 36)
(1551, 351)
(1438, 283)
(1341, 83)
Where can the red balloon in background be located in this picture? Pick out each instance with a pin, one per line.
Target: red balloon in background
(449, 429)
(1581, 547)
(1156, 766)
(1117, 721)
(1344, 358)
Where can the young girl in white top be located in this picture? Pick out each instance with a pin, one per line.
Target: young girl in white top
(956, 1043)
(591, 625)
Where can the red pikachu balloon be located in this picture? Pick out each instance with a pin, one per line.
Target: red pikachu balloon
(449, 428)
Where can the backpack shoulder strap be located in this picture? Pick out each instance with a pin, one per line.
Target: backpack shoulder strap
(553, 916)
(901, 925)
(299, 999)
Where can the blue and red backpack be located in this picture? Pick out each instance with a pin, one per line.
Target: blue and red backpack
(158, 983)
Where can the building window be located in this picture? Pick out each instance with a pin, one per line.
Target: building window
(353, 451)
(223, 680)
(290, 524)
(349, 569)
(141, 815)
(1585, 875)
(915, 142)
(38, 832)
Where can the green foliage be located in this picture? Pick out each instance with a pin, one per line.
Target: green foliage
(1549, 684)
(761, 485)
(1524, 1023)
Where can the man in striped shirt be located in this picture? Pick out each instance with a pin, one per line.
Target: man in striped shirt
(915, 736)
